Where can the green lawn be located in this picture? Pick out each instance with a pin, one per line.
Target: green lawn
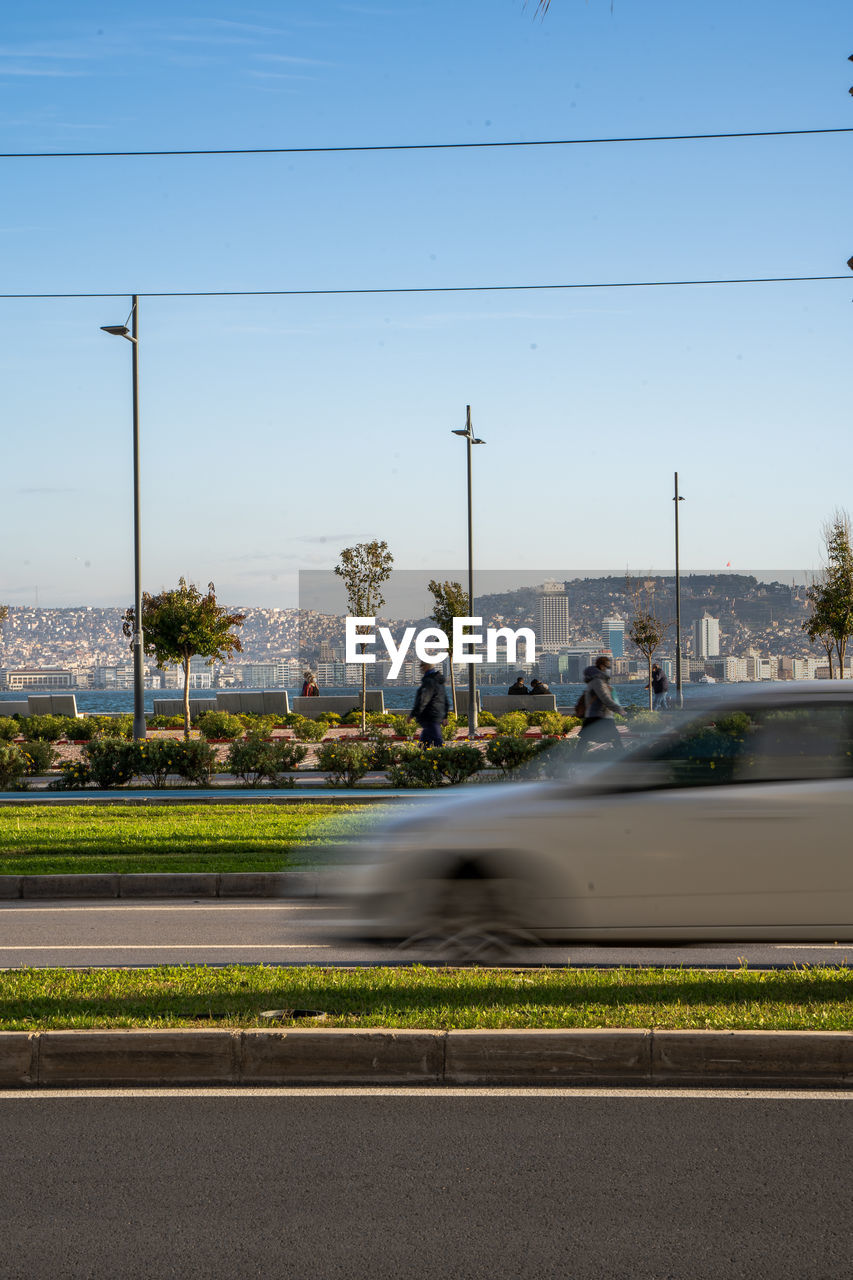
(44, 839)
(235, 996)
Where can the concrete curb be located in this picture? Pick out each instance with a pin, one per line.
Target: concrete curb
(176, 884)
(70, 1059)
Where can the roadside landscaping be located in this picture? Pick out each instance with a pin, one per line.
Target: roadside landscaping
(43, 840)
(808, 999)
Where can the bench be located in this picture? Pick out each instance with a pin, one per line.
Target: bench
(53, 704)
(175, 706)
(500, 704)
(261, 702)
(14, 708)
(311, 708)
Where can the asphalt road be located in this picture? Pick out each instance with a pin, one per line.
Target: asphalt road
(149, 933)
(451, 1183)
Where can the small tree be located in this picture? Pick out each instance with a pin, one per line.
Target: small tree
(364, 569)
(831, 596)
(450, 601)
(645, 630)
(183, 624)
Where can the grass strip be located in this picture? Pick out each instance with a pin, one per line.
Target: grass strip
(818, 998)
(44, 840)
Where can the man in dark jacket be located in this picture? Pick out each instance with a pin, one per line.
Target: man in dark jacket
(519, 687)
(431, 705)
(660, 689)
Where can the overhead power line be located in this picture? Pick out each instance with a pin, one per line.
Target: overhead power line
(411, 146)
(441, 288)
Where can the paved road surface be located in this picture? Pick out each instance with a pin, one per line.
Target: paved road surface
(135, 933)
(447, 1183)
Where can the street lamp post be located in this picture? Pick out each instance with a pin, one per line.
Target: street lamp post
(132, 335)
(470, 439)
(678, 681)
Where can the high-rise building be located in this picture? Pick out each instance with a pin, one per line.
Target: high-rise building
(552, 618)
(613, 636)
(706, 637)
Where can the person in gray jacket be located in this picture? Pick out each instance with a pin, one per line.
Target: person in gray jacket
(601, 705)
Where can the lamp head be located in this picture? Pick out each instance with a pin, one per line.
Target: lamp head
(463, 432)
(120, 330)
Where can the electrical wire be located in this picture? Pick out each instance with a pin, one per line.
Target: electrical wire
(447, 288)
(412, 146)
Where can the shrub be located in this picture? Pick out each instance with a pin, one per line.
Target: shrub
(219, 724)
(10, 727)
(352, 718)
(346, 762)
(12, 766)
(78, 730)
(110, 726)
(458, 764)
(157, 758)
(507, 753)
(255, 760)
(416, 768)
(112, 761)
(487, 720)
(310, 730)
(330, 718)
(38, 757)
(43, 728)
(552, 724)
(448, 729)
(646, 721)
(196, 761)
(261, 726)
(73, 774)
(513, 724)
(403, 727)
(380, 751)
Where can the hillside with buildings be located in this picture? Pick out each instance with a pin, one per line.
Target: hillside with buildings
(733, 628)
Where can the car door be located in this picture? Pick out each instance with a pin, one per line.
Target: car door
(736, 826)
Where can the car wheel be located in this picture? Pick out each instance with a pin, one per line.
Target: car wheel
(473, 913)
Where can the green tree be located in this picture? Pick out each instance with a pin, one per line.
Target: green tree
(364, 569)
(831, 595)
(182, 624)
(450, 601)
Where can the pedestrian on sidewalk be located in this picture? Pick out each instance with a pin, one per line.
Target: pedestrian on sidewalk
(601, 706)
(660, 689)
(431, 705)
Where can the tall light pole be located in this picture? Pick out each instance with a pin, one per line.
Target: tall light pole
(678, 682)
(471, 439)
(132, 335)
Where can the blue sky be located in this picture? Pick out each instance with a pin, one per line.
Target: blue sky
(277, 430)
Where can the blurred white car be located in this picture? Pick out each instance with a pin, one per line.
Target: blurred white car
(735, 825)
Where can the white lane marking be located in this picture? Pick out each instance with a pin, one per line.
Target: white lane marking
(439, 1091)
(175, 946)
(120, 904)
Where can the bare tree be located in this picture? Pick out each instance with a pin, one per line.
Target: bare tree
(646, 630)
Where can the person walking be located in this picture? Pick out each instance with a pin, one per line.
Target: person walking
(660, 689)
(519, 687)
(601, 706)
(431, 705)
(309, 687)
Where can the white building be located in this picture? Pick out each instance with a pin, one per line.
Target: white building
(706, 637)
(552, 618)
